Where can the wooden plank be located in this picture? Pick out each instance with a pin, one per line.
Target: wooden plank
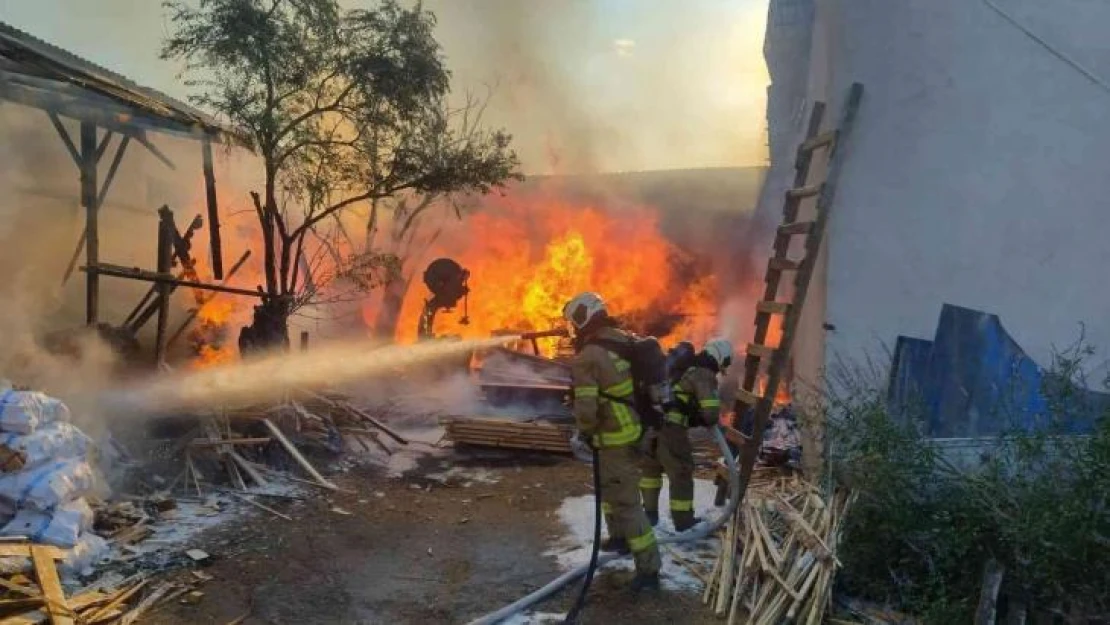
(821, 140)
(89, 198)
(747, 397)
(166, 231)
(207, 442)
(247, 468)
(734, 436)
(799, 193)
(773, 308)
(52, 592)
(305, 464)
(797, 227)
(23, 550)
(342, 405)
(120, 597)
(782, 264)
(763, 351)
(134, 273)
(215, 246)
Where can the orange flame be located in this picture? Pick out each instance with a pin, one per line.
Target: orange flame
(529, 254)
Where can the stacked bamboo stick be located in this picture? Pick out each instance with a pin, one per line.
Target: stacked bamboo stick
(778, 556)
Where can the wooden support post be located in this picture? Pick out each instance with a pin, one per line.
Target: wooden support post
(213, 210)
(165, 264)
(304, 341)
(90, 200)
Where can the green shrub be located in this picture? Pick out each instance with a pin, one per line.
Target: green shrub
(923, 529)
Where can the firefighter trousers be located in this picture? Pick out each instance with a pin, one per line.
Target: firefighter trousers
(671, 454)
(620, 503)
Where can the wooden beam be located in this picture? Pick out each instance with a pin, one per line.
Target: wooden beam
(206, 442)
(134, 273)
(213, 210)
(165, 264)
(140, 136)
(112, 169)
(103, 147)
(76, 102)
(76, 254)
(66, 139)
(90, 200)
(305, 464)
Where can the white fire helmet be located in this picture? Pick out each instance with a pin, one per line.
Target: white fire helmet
(582, 308)
(720, 350)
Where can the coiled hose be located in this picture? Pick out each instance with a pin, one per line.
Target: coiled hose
(697, 532)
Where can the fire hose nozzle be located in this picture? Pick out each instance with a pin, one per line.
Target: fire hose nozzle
(543, 334)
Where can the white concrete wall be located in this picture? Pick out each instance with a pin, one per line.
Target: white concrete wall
(977, 174)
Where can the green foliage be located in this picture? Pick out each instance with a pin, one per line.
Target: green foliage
(923, 529)
(344, 107)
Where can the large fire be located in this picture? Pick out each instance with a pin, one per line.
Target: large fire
(529, 254)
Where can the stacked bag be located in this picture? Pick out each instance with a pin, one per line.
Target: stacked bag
(45, 475)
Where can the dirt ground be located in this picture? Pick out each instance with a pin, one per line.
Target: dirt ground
(412, 550)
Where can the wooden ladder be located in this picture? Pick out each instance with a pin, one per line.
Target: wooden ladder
(758, 352)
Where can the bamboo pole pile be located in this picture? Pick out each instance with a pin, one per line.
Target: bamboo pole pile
(778, 555)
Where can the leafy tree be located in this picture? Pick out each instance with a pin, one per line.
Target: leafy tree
(344, 108)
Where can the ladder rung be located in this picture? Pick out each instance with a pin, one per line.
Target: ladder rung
(783, 264)
(798, 227)
(736, 437)
(762, 351)
(804, 192)
(773, 308)
(821, 140)
(747, 398)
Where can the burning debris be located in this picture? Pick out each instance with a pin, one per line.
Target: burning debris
(529, 252)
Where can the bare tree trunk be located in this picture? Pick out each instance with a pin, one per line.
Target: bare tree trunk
(393, 299)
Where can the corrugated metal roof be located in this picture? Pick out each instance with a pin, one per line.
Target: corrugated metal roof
(28, 54)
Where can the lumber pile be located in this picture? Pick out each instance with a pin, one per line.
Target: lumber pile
(778, 556)
(536, 436)
(25, 602)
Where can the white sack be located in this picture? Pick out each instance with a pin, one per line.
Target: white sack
(47, 486)
(24, 411)
(60, 528)
(56, 441)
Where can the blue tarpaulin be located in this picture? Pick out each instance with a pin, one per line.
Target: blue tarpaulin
(973, 380)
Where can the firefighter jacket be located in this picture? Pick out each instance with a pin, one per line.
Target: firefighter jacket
(696, 391)
(602, 383)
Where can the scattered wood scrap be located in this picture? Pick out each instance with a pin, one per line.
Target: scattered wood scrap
(509, 434)
(778, 556)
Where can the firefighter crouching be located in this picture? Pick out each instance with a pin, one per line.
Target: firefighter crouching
(697, 403)
(612, 428)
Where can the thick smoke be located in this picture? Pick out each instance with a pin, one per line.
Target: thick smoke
(589, 87)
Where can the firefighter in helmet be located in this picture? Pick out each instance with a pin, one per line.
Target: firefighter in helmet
(603, 387)
(697, 403)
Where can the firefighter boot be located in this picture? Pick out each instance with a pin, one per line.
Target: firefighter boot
(616, 545)
(643, 582)
(684, 521)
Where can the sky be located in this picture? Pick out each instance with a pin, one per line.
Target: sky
(582, 85)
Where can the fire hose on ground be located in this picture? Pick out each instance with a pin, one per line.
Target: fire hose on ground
(697, 532)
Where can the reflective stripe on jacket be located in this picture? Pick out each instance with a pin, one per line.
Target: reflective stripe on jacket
(697, 389)
(594, 371)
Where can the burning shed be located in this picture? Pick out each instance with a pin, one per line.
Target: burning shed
(97, 115)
